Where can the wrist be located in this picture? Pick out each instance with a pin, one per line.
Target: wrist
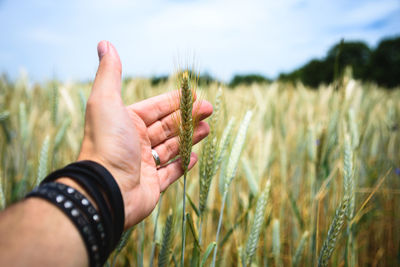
(115, 172)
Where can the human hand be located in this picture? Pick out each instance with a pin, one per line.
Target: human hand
(121, 137)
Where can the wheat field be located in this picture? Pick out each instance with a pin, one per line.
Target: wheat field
(301, 177)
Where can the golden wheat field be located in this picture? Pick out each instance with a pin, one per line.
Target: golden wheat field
(303, 177)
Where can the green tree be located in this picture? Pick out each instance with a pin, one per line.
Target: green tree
(354, 54)
(316, 72)
(385, 63)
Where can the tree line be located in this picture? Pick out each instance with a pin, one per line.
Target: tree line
(380, 65)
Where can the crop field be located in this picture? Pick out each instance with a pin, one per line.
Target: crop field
(289, 176)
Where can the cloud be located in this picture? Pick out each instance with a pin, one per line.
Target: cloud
(227, 37)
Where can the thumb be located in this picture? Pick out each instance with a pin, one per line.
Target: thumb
(108, 77)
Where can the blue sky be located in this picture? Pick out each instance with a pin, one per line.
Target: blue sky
(58, 38)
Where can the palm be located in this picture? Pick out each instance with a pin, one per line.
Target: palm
(157, 130)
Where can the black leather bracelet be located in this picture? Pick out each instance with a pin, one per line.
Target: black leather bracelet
(111, 188)
(88, 210)
(94, 177)
(65, 204)
(92, 188)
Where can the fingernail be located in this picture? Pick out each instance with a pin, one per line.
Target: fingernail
(102, 49)
(112, 48)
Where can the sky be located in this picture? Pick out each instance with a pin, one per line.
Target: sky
(58, 39)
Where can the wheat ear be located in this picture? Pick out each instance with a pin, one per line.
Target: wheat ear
(333, 234)
(167, 237)
(348, 181)
(258, 221)
(208, 160)
(43, 159)
(186, 100)
(237, 149)
(222, 153)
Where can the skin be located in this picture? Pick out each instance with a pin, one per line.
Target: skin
(33, 232)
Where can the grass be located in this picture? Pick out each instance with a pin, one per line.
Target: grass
(315, 147)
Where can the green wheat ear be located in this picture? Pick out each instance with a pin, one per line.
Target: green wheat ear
(186, 100)
(348, 178)
(167, 237)
(43, 159)
(333, 234)
(208, 160)
(256, 227)
(343, 210)
(237, 148)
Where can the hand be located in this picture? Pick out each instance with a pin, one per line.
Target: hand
(121, 137)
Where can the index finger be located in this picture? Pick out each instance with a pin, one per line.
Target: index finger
(157, 107)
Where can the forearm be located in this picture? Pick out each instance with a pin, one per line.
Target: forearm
(34, 232)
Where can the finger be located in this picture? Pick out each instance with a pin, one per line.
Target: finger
(167, 127)
(157, 107)
(108, 77)
(170, 173)
(170, 148)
